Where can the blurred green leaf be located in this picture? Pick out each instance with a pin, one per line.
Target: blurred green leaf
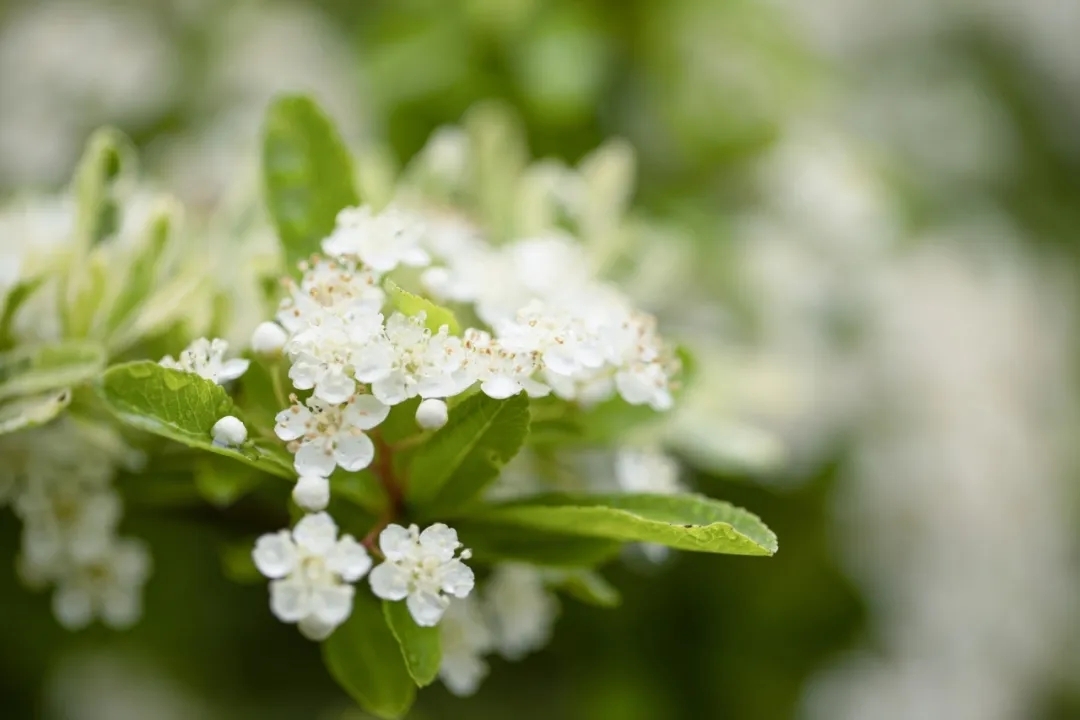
(36, 368)
(140, 278)
(421, 647)
(307, 174)
(591, 589)
(222, 482)
(237, 563)
(465, 456)
(364, 658)
(108, 154)
(182, 406)
(32, 411)
(14, 300)
(684, 522)
(410, 304)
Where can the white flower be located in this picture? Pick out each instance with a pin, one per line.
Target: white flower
(647, 471)
(521, 610)
(412, 361)
(421, 568)
(269, 338)
(311, 571)
(108, 587)
(325, 436)
(501, 373)
(206, 358)
(329, 289)
(381, 241)
(229, 431)
(312, 492)
(64, 522)
(331, 355)
(432, 414)
(465, 639)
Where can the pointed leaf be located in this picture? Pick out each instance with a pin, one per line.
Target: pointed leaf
(32, 411)
(36, 368)
(182, 406)
(685, 522)
(420, 646)
(590, 588)
(363, 657)
(409, 304)
(465, 456)
(307, 174)
(492, 543)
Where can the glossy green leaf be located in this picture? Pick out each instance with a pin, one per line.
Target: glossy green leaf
(307, 173)
(34, 369)
(32, 411)
(684, 522)
(493, 543)
(182, 406)
(466, 455)
(420, 646)
(363, 657)
(407, 303)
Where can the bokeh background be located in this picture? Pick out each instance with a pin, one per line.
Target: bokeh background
(882, 207)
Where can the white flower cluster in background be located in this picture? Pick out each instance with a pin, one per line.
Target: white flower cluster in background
(59, 483)
(513, 617)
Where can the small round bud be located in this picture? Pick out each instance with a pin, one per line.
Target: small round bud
(229, 431)
(268, 339)
(312, 492)
(431, 414)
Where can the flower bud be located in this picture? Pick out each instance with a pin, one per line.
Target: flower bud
(312, 492)
(268, 339)
(229, 431)
(431, 414)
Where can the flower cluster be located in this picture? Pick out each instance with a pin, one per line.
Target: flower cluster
(59, 481)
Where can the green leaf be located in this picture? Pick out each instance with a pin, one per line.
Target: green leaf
(36, 368)
(363, 657)
(108, 154)
(407, 303)
(492, 543)
(684, 522)
(14, 300)
(307, 174)
(360, 488)
(32, 411)
(182, 406)
(591, 589)
(221, 482)
(465, 456)
(141, 276)
(421, 647)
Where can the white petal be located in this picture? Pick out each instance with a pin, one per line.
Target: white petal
(313, 459)
(316, 533)
(500, 387)
(304, 373)
(456, 578)
(331, 604)
(312, 492)
(427, 608)
(389, 581)
(349, 559)
(391, 389)
(292, 423)
(73, 607)
(121, 607)
(365, 412)
(354, 452)
(439, 541)
(289, 600)
(232, 369)
(275, 554)
(315, 629)
(397, 542)
(462, 673)
(335, 387)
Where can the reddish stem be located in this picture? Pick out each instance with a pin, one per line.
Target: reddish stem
(383, 470)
